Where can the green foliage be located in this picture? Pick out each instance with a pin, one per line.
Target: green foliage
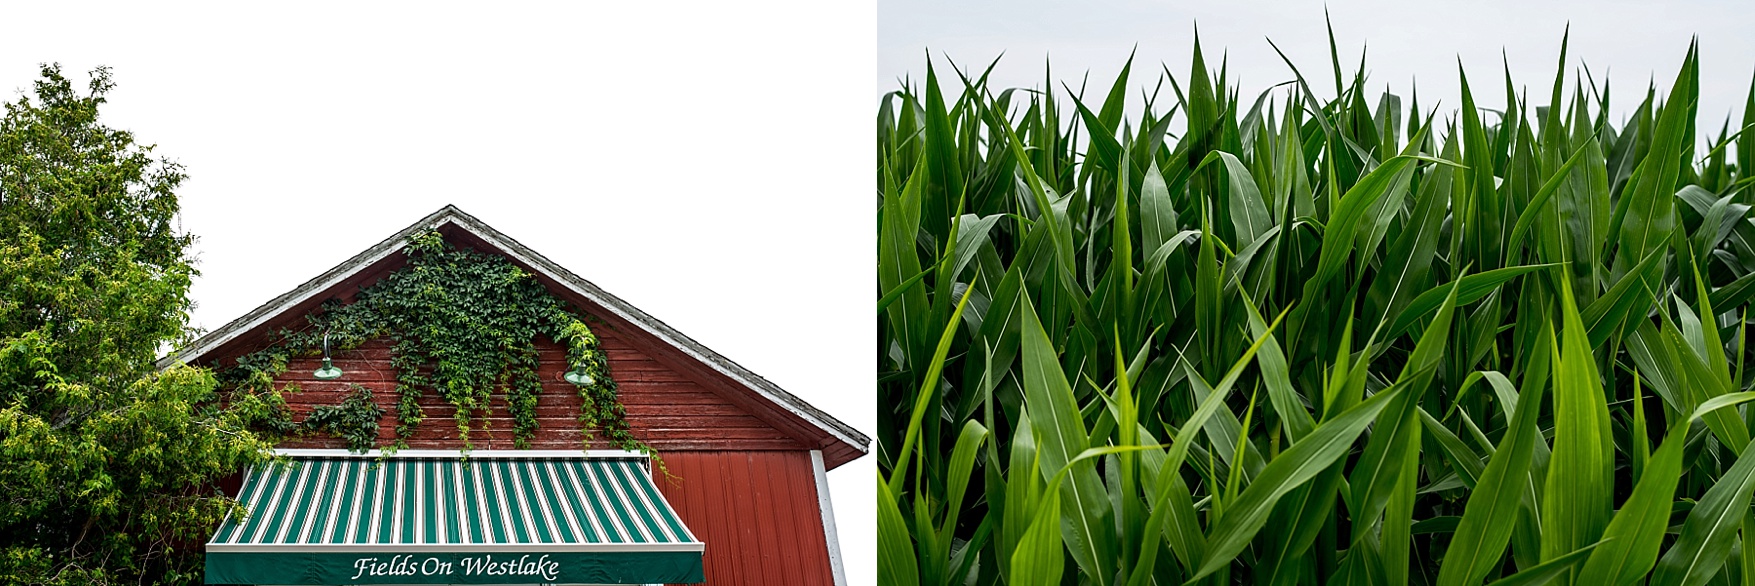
(1493, 346)
(354, 420)
(107, 465)
(463, 324)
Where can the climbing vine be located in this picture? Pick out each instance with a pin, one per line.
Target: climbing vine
(462, 324)
(355, 420)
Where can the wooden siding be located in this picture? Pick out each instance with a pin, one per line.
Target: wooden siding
(666, 409)
(709, 372)
(756, 511)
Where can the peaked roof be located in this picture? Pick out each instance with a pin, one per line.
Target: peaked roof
(819, 430)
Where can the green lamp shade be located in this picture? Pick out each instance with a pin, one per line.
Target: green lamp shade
(578, 376)
(328, 372)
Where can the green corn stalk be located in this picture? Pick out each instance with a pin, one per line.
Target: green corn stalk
(1295, 340)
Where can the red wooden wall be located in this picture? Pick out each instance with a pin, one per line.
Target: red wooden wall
(746, 489)
(666, 410)
(756, 511)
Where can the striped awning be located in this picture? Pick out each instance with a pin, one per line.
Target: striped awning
(435, 517)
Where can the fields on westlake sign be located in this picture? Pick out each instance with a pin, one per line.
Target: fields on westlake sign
(432, 566)
(617, 567)
(420, 518)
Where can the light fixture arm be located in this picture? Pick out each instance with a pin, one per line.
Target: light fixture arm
(328, 371)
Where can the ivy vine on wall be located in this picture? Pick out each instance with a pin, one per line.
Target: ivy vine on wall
(462, 324)
(354, 420)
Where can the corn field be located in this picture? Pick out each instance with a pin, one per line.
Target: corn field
(1312, 342)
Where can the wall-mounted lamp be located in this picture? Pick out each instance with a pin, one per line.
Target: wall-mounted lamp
(578, 376)
(328, 371)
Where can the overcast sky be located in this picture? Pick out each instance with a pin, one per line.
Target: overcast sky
(1628, 42)
(708, 162)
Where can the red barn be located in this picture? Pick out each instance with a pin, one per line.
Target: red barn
(745, 500)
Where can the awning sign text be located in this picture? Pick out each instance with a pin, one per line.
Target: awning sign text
(482, 565)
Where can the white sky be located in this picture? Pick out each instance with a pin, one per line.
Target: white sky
(708, 162)
(1632, 40)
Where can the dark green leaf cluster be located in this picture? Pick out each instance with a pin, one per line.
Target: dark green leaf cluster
(1291, 340)
(107, 466)
(355, 420)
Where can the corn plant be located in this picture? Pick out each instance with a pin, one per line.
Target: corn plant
(1306, 341)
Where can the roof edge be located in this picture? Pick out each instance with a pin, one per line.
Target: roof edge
(687, 345)
(274, 307)
(450, 214)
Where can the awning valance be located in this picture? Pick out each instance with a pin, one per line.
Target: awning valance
(421, 517)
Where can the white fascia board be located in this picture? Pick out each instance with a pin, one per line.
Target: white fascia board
(452, 215)
(664, 332)
(279, 305)
(830, 536)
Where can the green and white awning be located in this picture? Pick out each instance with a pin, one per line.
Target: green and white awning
(433, 517)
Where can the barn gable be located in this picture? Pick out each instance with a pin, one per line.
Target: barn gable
(679, 394)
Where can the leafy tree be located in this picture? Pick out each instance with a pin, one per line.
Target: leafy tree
(107, 465)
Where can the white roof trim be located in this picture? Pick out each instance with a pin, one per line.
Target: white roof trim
(272, 309)
(452, 215)
(830, 535)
